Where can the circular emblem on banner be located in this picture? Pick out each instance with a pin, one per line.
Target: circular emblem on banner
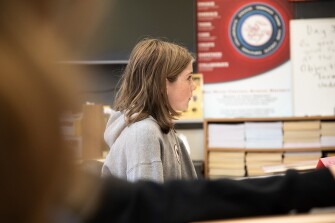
(257, 30)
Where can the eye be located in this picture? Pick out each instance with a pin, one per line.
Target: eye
(189, 77)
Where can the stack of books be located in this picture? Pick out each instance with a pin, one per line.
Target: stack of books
(83, 132)
(263, 134)
(301, 134)
(256, 160)
(226, 135)
(93, 127)
(226, 164)
(71, 127)
(300, 161)
(327, 134)
(301, 157)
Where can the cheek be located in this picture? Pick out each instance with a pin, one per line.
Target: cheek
(184, 95)
(179, 96)
(176, 98)
(187, 90)
(173, 97)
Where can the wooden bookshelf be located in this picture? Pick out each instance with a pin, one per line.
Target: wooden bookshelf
(272, 149)
(266, 119)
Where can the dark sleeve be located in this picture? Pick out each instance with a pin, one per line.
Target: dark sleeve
(184, 201)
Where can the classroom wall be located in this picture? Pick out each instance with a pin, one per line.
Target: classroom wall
(106, 76)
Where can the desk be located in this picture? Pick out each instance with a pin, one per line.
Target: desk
(297, 218)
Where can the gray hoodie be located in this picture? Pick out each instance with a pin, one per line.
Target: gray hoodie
(143, 151)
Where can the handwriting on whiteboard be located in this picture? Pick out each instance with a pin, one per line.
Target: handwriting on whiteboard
(317, 46)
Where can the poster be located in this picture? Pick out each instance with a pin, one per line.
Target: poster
(243, 53)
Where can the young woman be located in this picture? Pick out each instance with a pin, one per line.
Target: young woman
(156, 85)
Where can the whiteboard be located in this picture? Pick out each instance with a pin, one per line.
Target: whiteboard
(313, 66)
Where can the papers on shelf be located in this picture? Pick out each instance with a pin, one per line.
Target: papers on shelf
(300, 166)
(226, 135)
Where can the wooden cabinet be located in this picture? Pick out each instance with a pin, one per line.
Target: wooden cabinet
(208, 149)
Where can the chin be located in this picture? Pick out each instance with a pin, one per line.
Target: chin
(182, 109)
(185, 109)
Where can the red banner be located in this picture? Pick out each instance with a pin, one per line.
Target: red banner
(241, 39)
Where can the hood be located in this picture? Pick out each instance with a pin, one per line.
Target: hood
(115, 125)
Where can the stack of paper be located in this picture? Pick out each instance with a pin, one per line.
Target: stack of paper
(299, 166)
(226, 136)
(301, 161)
(296, 157)
(301, 134)
(226, 164)
(327, 134)
(256, 160)
(71, 127)
(263, 134)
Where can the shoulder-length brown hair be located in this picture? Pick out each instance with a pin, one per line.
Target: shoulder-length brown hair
(143, 84)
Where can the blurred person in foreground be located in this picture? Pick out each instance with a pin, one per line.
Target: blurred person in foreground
(40, 182)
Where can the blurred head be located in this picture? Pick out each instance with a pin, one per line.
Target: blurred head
(34, 91)
(149, 80)
(33, 160)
